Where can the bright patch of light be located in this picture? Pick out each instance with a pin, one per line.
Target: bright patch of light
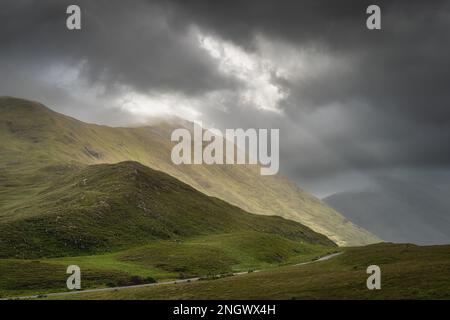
(299, 64)
(157, 105)
(253, 71)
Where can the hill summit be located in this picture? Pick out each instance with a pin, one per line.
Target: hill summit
(112, 206)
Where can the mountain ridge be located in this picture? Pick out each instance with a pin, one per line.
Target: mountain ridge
(48, 138)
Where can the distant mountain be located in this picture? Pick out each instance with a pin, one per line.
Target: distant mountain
(34, 138)
(398, 211)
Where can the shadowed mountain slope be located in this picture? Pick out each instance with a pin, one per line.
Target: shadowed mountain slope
(399, 212)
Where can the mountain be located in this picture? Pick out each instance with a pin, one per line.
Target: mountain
(398, 211)
(36, 140)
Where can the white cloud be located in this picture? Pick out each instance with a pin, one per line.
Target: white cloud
(252, 70)
(159, 104)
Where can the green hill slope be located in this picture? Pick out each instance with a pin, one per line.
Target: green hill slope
(32, 138)
(127, 224)
(107, 207)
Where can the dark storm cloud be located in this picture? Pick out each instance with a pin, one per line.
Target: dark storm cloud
(119, 43)
(391, 99)
(400, 68)
(359, 102)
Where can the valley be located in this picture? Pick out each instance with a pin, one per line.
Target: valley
(110, 201)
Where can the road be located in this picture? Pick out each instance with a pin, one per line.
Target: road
(324, 258)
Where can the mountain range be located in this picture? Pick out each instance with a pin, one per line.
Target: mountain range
(39, 144)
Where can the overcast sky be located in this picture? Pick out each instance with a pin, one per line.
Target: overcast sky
(352, 105)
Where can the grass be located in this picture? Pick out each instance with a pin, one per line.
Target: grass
(111, 207)
(220, 254)
(252, 249)
(28, 277)
(408, 272)
(160, 260)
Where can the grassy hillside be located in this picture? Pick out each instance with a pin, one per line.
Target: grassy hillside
(160, 260)
(128, 224)
(107, 207)
(408, 272)
(23, 277)
(36, 143)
